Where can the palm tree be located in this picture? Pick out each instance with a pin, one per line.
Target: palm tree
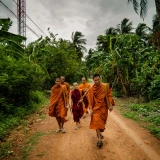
(155, 33)
(143, 4)
(157, 2)
(125, 27)
(79, 42)
(156, 24)
(111, 31)
(142, 30)
(12, 43)
(90, 53)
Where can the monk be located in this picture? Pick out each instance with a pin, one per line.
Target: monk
(58, 104)
(62, 78)
(77, 103)
(100, 101)
(85, 87)
(63, 83)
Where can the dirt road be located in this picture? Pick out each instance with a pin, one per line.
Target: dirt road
(123, 140)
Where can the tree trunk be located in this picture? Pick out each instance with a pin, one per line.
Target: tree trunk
(157, 3)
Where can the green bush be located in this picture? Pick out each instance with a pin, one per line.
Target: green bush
(154, 88)
(17, 79)
(117, 94)
(154, 130)
(8, 121)
(147, 112)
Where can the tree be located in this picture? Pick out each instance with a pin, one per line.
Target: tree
(142, 30)
(155, 32)
(111, 31)
(155, 23)
(5, 24)
(90, 53)
(79, 42)
(125, 27)
(122, 58)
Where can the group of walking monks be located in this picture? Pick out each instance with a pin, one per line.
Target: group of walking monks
(83, 99)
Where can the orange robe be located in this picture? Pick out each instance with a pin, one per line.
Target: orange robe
(57, 106)
(84, 87)
(67, 86)
(98, 100)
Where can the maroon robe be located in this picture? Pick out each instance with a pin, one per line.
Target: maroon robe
(76, 110)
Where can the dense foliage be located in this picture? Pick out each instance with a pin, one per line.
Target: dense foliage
(26, 72)
(128, 59)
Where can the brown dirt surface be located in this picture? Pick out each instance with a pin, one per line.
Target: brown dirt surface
(123, 140)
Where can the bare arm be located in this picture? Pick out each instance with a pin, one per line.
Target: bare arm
(71, 104)
(110, 99)
(71, 101)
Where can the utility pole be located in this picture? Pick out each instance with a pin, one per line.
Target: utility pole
(21, 15)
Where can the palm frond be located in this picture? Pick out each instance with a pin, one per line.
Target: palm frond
(142, 30)
(125, 27)
(143, 11)
(135, 5)
(111, 31)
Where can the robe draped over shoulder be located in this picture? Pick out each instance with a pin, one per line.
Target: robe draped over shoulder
(98, 99)
(67, 86)
(58, 100)
(84, 86)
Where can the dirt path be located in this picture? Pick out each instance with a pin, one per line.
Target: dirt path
(123, 140)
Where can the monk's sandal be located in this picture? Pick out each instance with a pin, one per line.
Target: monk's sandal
(99, 144)
(58, 130)
(101, 136)
(63, 130)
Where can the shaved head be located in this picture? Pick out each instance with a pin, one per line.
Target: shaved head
(75, 85)
(97, 79)
(62, 78)
(83, 80)
(58, 81)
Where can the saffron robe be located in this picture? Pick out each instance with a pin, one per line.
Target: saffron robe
(99, 99)
(77, 111)
(67, 86)
(85, 87)
(58, 101)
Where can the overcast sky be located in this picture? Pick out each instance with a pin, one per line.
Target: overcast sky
(91, 17)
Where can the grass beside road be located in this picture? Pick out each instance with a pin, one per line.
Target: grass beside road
(146, 114)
